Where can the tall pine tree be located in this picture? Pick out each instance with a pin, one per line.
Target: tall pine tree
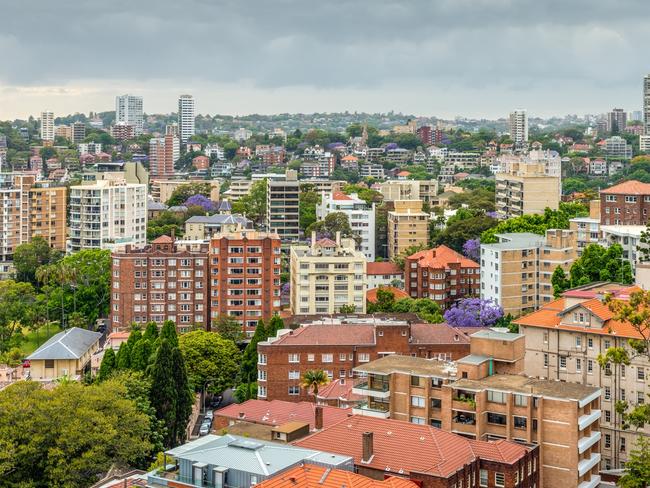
(248, 371)
(108, 364)
(151, 332)
(164, 396)
(168, 332)
(185, 397)
(141, 355)
(123, 358)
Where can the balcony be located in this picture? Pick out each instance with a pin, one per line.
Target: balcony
(375, 389)
(372, 410)
(586, 442)
(586, 464)
(586, 420)
(594, 482)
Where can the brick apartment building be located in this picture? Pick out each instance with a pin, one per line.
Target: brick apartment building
(441, 274)
(484, 396)
(160, 282)
(431, 457)
(627, 203)
(245, 276)
(339, 343)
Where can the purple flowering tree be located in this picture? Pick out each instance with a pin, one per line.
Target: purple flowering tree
(473, 312)
(472, 249)
(200, 201)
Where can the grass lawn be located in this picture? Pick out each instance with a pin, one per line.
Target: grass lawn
(37, 338)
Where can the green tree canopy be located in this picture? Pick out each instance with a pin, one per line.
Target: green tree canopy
(331, 224)
(601, 264)
(210, 357)
(29, 256)
(180, 194)
(248, 369)
(253, 204)
(228, 328)
(308, 202)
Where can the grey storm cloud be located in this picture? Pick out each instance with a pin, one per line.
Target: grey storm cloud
(436, 45)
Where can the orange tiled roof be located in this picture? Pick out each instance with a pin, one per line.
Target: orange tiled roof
(403, 173)
(440, 257)
(349, 158)
(371, 295)
(632, 187)
(383, 268)
(339, 195)
(339, 389)
(312, 476)
(278, 412)
(550, 317)
(402, 447)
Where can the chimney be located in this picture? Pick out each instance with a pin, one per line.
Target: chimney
(318, 417)
(366, 447)
(313, 238)
(242, 415)
(338, 238)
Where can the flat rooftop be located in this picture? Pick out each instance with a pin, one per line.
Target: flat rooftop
(497, 334)
(530, 386)
(409, 365)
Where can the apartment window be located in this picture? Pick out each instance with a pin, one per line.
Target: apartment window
(294, 390)
(417, 420)
(578, 342)
(622, 371)
(607, 344)
(496, 418)
(496, 396)
(261, 358)
(521, 400)
(640, 374)
(590, 342)
(623, 444)
(483, 477)
(499, 479)
(261, 391)
(294, 375)
(623, 394)
(640, 398)
(294, 358)
(415, 381)
(545, 337)
(578, 365)
(520, 422)
(590, 366)
(608, 415)
(327, 358)
(261, 374)
(364, 357)
(562, 362)
(417, 401)
(545, 360)
(310, 358)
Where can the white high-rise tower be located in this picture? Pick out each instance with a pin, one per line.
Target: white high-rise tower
(186, 117)
(646, 105)
(128, 110)
(47, 126)
(519, 127)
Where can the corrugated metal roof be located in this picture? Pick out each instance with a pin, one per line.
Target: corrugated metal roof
(68, 344)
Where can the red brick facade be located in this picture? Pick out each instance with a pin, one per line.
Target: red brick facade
(338, 348)
(245, 277)
(625, 204)
(442, 275)
(158, 283)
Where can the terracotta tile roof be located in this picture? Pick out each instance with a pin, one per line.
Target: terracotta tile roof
(371, 295)
(550, 317)
(402, 447)
(339, 389)
(326, 334)
(632, 187)
(349, 158)
(383, 268)
(440, 257)
(312, 476)
(278, 412)
(403, 173)
(119, 335)
(339, 195)
(437, 334)
(325, 242)
(164, 239)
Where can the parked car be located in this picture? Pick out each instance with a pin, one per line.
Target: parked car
(204, 430)
(209, 414)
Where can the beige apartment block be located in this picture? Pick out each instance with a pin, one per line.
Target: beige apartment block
(526, 190)
(425, 190)
(484, 396)
(408, 226)
(327, 275)
(563, 341)
(516, 272)
(161, 190)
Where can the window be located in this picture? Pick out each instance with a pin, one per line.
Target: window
(417, 420)
(578, 365)
(294, 390)
(49, 364)
(562, 362)
(342, 357)
(261, 391)
(608, 416)
(364, 357)
(608, 393)
(590, 342)
(520, 422)
(640, 374)
(294, 375)
(415, 381)
(294, 358)
(578, 342)
(483, 477)
(496, 418)
(496, 396)
(545, 360)
(327, 358)
(640, 398)
(261, 374)
(521, 400)
(417, 401)
(499, 479)
(623, 444)
(545, 337)
(590, 366)
(261, 358)
(310, 358)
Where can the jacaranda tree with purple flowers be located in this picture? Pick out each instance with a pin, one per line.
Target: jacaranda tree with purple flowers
(472, 249)
(200, 201)
(473, 312)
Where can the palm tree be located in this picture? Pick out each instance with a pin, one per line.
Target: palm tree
(45, 275)
(313, 380)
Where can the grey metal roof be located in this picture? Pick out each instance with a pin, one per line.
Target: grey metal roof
(492, 333)
(473, 359)
(250, 455)
(153, 205)
(178, 208)
(68, 344)
(218, 219)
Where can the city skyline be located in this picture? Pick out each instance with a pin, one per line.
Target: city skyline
(441, 58)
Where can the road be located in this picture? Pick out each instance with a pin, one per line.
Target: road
(227, 398)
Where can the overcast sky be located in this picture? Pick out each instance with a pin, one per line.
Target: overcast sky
(475, 58)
